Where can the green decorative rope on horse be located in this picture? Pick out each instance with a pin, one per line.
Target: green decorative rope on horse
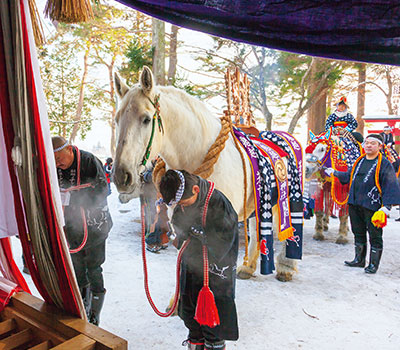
(156, 116)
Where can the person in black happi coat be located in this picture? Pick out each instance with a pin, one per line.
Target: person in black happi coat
(373, 190)
(84, 206)
(387, 136)
(220, 235)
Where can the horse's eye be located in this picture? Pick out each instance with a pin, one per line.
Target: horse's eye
(146, 120)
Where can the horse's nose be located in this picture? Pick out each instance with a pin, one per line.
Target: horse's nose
(123, 177)
(308, 172)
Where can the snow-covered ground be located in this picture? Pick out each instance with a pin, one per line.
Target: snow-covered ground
(326, 306)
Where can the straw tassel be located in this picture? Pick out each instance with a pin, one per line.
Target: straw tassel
(69, 11)
(37, 26)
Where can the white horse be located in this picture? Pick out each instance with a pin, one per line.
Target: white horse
(189, 131)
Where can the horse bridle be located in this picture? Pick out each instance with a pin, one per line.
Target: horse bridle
(156, 116)
(320, 163)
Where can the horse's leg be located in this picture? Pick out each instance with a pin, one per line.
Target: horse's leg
(319, 236)
(343, 229)
(246, 271)
(285, 268)
(325, 222)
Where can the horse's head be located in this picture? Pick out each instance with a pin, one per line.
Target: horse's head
(134, 124)
(316, 152)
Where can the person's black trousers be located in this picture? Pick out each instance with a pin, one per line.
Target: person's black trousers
(360, 219)
(87, 265)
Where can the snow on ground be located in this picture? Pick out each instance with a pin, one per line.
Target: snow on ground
(326, 306)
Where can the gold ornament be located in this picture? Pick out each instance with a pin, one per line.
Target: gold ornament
(280, 170)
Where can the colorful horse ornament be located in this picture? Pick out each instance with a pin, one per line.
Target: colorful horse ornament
(329, 151)
(393, 157)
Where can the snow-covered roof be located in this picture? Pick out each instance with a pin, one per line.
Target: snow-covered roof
(381, 117)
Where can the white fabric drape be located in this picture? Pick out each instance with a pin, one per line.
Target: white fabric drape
(8, 223)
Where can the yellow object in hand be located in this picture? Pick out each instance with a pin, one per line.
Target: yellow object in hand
(379, 219)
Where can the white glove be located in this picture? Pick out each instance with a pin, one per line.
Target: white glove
(328, 171)
(65, 198)
(385, 210)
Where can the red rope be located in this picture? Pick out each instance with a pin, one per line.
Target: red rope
(178, 263)
(205, 253)
(146, 281)
(77, 188)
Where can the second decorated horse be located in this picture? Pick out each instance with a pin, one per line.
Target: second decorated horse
(326, 150)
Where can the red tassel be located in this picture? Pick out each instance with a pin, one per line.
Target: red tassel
(206, 310)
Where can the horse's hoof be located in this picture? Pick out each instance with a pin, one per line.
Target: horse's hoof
(244, 272)
(318, 236)
(284, 276)
(341, 240)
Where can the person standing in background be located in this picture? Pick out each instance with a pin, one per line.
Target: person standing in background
(88, 221)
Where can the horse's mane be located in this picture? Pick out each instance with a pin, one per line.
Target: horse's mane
(192, 104)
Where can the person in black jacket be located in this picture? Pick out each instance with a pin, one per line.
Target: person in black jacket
(84, 193)
(387, 136)
(188, 193)
(373, 190)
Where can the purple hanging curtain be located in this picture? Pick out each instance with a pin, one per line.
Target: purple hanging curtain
(365, 30)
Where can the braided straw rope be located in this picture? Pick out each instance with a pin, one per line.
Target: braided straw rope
(207, 167)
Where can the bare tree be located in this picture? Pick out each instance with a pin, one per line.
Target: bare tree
(316, 79)
(173, 57)
(158, 42)
(362, 76)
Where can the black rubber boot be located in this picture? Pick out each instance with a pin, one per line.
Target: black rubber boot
(95, 309)
(359, 259)
(374, 259)
(193, 344)
(219, 345)
(86, 295)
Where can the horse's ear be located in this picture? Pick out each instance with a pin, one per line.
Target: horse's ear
(311, 134)
(120, 86)
(328, 134)
(146, 80)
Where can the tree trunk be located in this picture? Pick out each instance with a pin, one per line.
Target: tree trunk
(173, 58)
(390, 92)
(362, 76)
(158, 42)
(79, 109)
(114, 110)
(316, 114)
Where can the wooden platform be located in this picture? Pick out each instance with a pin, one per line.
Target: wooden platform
(29, 323)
